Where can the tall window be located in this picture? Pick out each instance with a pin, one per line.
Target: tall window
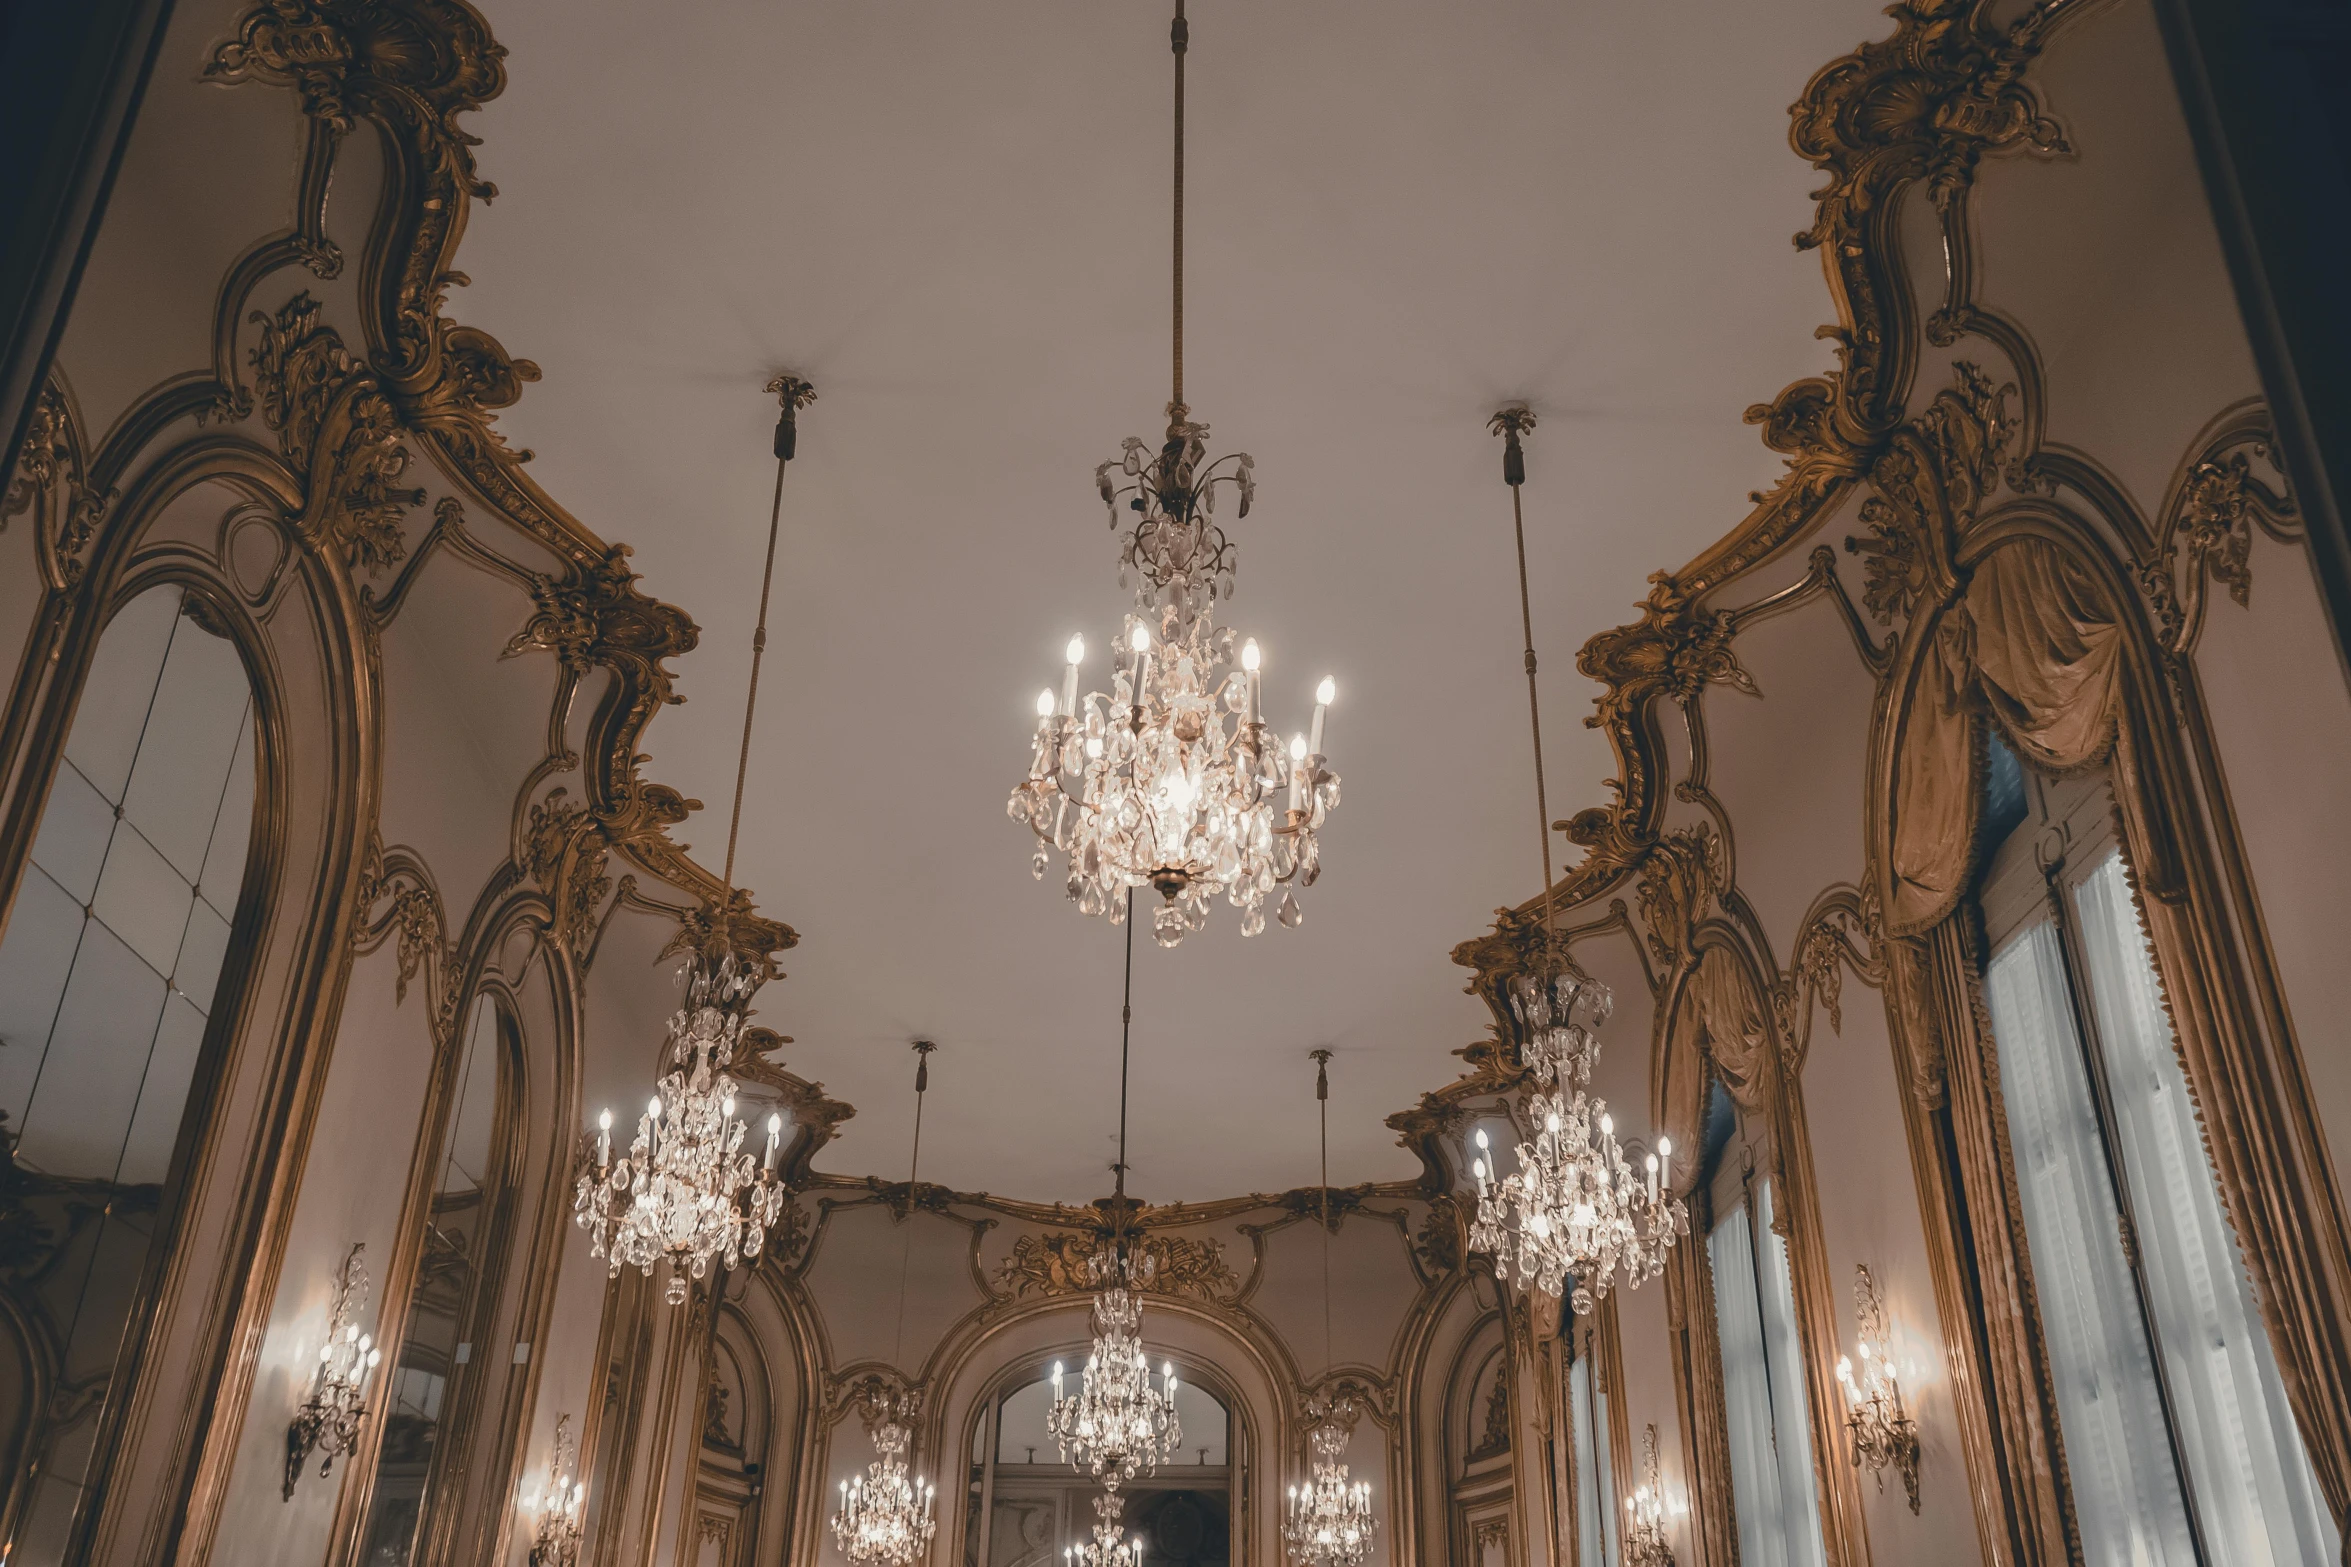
(2179, 1444)
(1773, 1492)
(108, 980)
(1597, 1544)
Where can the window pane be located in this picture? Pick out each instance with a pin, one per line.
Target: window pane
(2256, 1498)
(1772, 1489)
(2126, 1492)
(1597, 1544)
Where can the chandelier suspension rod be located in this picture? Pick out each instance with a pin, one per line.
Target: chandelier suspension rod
(1514, 474)
(1126, 1034)
(794, 394)
(1179, 35)
(1322, 1096)
(922, 1082)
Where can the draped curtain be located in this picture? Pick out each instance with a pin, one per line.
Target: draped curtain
(1597, 1544)
(1764, 1405)
(2033, 643)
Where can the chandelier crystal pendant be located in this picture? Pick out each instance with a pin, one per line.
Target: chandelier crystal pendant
(1109, 1547)
(1117, 1424)
(1327, 1522)
(885, 1516)
(1172, 778)
(688, 1193)
(1574, 1207)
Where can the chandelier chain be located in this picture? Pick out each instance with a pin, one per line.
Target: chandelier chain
(1179, 38)
(775, 517)
(1515, 422)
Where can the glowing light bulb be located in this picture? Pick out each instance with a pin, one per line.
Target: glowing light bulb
(1140, 640)
(1607, 1125)
(1250, 656)
(604, 1122)
(1482, 1143)
(1297, 748)
(1076, 651)
(1327, 692)
(1045, 704)
(653, 1107)
(1665, 1147)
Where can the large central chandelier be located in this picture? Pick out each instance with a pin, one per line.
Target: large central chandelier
(1117, 1424)
(1574, 1206)
(1327, 1521)
(688, 1193)
(1172, 778)
(885, 1516)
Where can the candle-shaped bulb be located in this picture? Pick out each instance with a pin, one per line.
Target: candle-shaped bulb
(1482, 1143)
(1665, 1147)
(1045, 704)
(1140, 638)
(726, 1106)
(366, 1339)
(1076, 651)
(1607, 1124)
(1327, 692)
(1250, 657)
(604, 1122)
(1551, 1123)
(350, 1334)
(1653, 1164)
(653, 1107)
(775, 1127)
(1297, 748)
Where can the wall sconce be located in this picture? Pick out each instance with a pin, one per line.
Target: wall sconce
(328, 1421)
(1644, 1542)
(1884, 1435)
(562, 1510)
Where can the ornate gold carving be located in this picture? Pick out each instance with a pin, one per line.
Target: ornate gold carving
(337, 430)
(1057, 1263)
(2206, 532)
(566, 851)
(50, 479)
(1494, 1439)
(1927, 104)
(398, 902)
(1927, 486)
(1681, 875)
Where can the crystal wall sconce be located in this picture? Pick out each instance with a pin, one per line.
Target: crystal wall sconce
(329, 1420)
(1884, 1435)
(1644, 1541)
(562, 1508)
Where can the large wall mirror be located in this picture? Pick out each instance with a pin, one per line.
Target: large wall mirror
(1027, 1505)
(111, 972)
(431, 1391)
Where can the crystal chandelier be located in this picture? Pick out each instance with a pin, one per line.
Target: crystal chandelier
(1172, 779)
(1573, 1206)
(1109, 1547)
(884, 1516)
(1884, 1434)
(1644, 1543)
(329, 1420)
(1327, 1521)
(1117, 1424)
(687, 1193)
(555, 1541)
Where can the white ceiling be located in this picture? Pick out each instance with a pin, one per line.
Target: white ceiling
(953, 219)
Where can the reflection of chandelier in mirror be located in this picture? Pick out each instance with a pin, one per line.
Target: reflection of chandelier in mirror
(1327, 1522)
(1109, 1547)
(687, 1193)
(1573, 1207)
(1171, 779)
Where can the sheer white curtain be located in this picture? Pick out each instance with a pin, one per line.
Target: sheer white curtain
(2256, 1498)
(2126, 1490)
(1597, 1544)
(1772, 1489)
